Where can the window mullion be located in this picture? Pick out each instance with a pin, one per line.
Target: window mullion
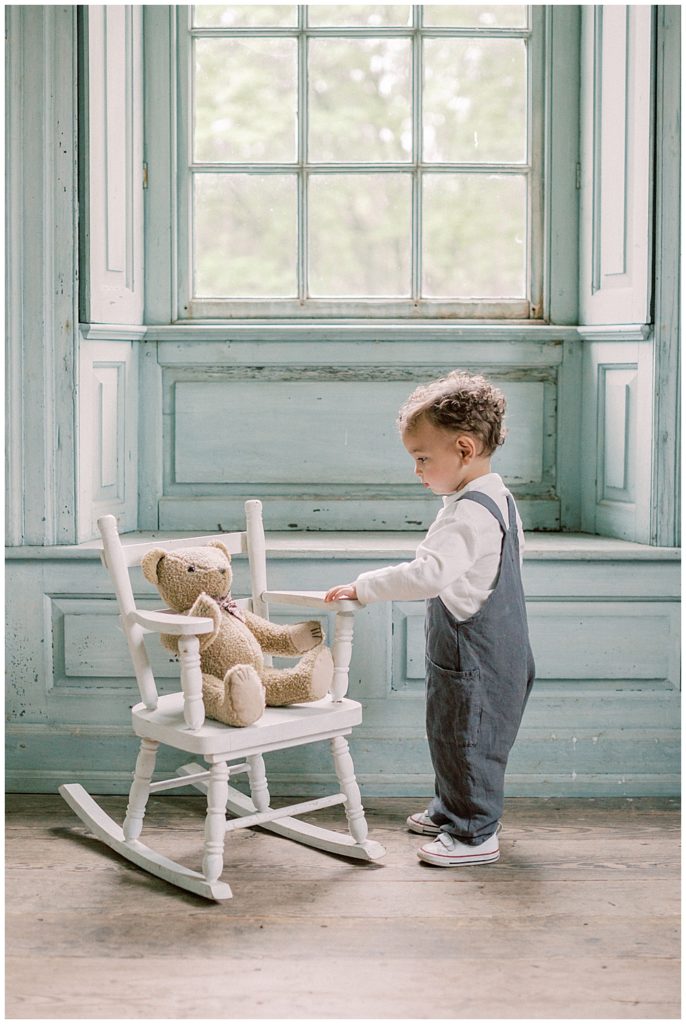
(303, 118)
(183, 269)
(417, 14)
(536, 71)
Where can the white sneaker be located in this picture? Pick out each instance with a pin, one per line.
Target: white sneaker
(422, 823)
(448, 852)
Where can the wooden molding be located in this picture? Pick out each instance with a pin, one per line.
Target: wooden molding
(42, 300)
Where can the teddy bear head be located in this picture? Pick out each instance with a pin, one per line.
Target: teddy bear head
(182, 575)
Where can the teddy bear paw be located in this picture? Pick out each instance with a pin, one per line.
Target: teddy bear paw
(237, 700)
(245, 693)
(306, 635)
(322, 674)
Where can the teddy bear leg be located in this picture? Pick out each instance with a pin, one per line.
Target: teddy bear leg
(309, 680)
(236, 700)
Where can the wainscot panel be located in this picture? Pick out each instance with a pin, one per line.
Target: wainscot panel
(108, 413)
(229, 419)
(603, 718)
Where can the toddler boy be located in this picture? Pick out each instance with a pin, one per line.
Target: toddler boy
(479, 665)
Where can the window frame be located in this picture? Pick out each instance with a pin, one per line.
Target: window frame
(414, 309)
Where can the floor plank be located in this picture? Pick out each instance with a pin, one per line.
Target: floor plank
(579, 919)
(333, 988)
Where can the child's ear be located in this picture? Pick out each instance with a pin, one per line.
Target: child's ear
(466, 447)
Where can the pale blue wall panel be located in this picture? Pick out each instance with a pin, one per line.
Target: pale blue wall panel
(303, 433)
(603, 718)
(602, 640)
(317, 440)
(295, 433)
(617, 434)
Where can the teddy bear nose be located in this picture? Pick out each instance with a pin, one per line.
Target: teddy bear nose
(191, 568)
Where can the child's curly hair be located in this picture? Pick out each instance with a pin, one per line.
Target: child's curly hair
(460, 401)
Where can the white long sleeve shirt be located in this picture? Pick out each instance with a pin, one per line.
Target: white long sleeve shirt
(458, 560)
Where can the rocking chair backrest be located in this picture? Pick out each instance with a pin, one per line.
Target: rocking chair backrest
(118, 559)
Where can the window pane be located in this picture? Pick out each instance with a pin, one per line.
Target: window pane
(474, 16)
(245, 235)
(474, 100)
(474, 236)
(360, 105)
(359, 14)
(359, 230)
(245, 100)
(244, 15)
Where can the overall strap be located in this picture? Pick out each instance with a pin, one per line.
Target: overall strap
(512, 515)
(489, 505)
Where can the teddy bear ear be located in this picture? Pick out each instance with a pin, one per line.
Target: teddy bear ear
(149, 564)
(222, 547)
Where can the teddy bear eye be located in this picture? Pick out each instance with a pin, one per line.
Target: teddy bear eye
(191, 568)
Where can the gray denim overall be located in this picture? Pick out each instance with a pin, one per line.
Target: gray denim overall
(479, 674)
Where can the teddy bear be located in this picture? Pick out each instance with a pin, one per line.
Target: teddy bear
(236, 682)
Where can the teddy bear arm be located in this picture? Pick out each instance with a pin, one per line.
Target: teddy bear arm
(285, 640)
(171, 643)
(206, 607)
(272, 638)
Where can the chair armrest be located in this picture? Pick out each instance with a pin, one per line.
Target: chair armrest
(342, 642)
(309, 599)
(172, 623)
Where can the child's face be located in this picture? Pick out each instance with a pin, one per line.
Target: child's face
(440, 459)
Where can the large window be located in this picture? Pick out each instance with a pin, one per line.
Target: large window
(359, 160)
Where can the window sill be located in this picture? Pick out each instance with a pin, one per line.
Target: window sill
(374, 546)
(382, 330)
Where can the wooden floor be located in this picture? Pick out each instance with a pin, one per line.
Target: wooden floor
(578, 919)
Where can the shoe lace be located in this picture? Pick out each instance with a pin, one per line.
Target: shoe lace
(449, 841)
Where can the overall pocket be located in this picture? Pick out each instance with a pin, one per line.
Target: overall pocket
(453, 705)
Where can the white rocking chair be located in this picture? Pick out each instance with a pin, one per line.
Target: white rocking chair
(178, 720)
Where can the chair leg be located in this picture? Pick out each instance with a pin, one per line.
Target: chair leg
(259, 790)
(215, 822)
(109, 832)
(345, 844)
(345, 770)
(140, 789)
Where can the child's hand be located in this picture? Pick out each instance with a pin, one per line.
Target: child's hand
(346, 592)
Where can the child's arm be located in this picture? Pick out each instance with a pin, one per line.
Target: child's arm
(444, 555)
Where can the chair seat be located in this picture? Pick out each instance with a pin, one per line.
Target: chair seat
(278, 727)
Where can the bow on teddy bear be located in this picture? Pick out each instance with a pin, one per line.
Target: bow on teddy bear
(236, 682)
